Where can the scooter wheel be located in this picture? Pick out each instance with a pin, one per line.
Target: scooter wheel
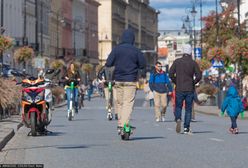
(125, 136)
(33, 123)
(110, 116)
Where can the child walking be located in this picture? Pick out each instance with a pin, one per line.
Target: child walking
(232, 104)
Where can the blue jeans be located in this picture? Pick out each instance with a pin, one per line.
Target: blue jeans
(89, 94)
(75, 97)
(234, 122)
(151, 102)
(180, 97)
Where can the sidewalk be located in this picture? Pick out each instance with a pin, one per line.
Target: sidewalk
(9, 126)
(212, 110)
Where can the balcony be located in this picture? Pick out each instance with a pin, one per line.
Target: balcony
(118, 17)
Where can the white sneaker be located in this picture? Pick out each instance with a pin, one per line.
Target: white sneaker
(157, 120)
(187, 131)
(163, 119)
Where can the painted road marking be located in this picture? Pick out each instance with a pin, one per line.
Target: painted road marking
(170, 129)
(216, 139)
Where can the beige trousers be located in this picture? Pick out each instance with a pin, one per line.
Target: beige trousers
(160, 100)
(125, 96)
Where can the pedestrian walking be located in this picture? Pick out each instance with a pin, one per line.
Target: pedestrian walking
(127, 60)
(105, 75)
(233, 106)
(149, 96)
(185, 74)
(160, 85)
(82, 92)
(90, 90)
(197, 101)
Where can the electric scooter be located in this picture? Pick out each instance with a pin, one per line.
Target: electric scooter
(110, 101)
(71, 111)
(125, 131)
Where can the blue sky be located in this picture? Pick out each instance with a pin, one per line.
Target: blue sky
(172, 12)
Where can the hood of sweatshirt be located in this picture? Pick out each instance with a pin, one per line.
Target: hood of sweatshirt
(128, 37)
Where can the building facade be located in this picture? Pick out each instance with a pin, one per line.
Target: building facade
(79, 37)
(117, 15)
(19, 24)
(55, 29)
(43, 13)
(170, 44)
(92, 32)
(66, 38)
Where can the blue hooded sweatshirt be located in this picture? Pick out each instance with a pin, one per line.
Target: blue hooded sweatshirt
(232, 103)
(126, 58)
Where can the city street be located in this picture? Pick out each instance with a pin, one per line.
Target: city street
(91, 141)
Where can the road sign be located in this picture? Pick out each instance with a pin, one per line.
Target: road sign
(198, 52)
(217, 64)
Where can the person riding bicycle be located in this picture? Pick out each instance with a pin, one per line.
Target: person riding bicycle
(106, 76)
(72, 75)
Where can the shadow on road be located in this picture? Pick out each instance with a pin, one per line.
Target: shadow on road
(89, 119)
(55, 146)
(72, 147)
(169, 121)
(202, 132)
(145, 138)
(56, 133)
(2, 121)
(57, 126)
(243, 132)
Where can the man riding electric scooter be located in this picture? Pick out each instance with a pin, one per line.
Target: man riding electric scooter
(106, 77)
(127, 60)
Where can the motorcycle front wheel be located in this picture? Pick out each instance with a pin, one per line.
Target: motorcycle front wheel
(33, 122)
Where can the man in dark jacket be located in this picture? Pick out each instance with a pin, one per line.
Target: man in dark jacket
(127, 60)
(185, 73)
(160, 84)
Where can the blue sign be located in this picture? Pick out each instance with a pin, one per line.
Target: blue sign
(198, 52)
(217, 64)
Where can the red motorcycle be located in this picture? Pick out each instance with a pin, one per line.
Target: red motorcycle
(33, 104)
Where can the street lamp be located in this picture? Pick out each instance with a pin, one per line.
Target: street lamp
(187, 27)
(41, 28)
(184, 28)
(193, 13)
(240, 60)
(238, 7)
(2, 29)
(217, 23)
(24, 40)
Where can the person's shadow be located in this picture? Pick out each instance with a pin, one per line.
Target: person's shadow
(145, 138)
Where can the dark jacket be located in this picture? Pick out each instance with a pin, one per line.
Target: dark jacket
(106, 74)
(72, 77)
(160, 82)
(182, 73)
(126, 58)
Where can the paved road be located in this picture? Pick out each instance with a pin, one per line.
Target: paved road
(90, 141)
